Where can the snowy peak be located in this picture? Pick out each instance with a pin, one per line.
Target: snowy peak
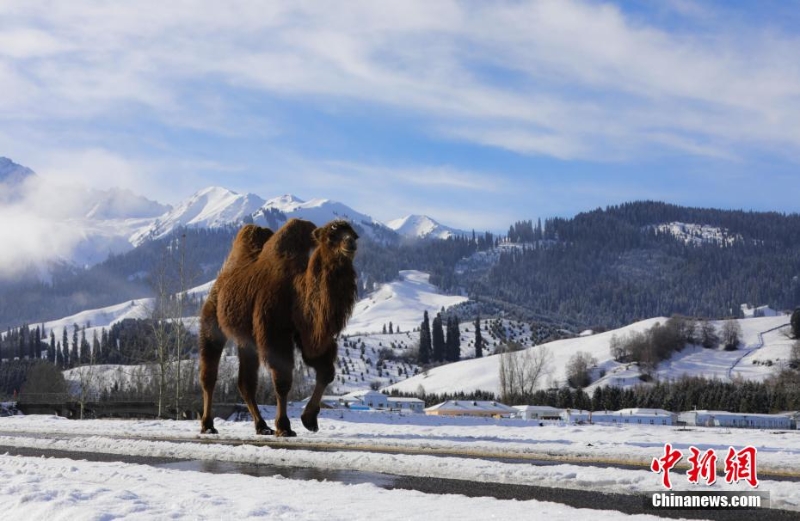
(422, 227)
(211, 207)
(123, 204)
(11, 173)
(319, 211)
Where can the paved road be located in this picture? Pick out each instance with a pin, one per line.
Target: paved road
(629, 504)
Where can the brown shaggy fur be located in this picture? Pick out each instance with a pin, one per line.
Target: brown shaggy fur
(287, 295)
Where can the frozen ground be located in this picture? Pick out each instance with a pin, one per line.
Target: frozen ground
(36, 488)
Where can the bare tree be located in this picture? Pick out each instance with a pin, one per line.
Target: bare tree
(731, 334)
(521, 371)
(579, 369)
(86, 382)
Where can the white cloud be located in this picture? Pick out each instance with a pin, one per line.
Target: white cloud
(567, 79)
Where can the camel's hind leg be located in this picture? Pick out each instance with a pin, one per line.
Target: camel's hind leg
(248, 383)
(325, 369)
(282, 367)
(212, 342)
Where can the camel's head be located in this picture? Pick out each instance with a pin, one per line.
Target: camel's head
(339, 237)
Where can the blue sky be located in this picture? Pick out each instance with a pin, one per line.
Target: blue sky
(475, 113)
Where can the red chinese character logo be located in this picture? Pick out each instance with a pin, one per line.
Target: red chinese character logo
(741, 465)
(704, 466)
(665, 463)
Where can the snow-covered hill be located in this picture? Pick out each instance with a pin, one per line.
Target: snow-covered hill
(370, 355)
(402, 302)
(422, 227)
(752, 362)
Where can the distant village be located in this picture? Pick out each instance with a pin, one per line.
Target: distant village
(369, 400)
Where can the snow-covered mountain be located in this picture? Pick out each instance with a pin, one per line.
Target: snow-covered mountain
(11, 173)
(208, 208)
(318, 211)
(422, 227)
(122, 204)
(92, 224)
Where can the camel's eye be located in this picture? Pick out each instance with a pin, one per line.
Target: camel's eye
(334, 227)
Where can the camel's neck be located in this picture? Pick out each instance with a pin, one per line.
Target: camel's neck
(330, 293)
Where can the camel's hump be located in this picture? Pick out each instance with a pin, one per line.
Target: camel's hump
(293, 238)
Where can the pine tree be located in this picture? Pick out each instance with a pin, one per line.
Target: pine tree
(21, 344)
(96, 353)
(438, 339)
(65, 361)
(478, 338)
(59, 356)
(64, 346)
(74, 356)
(51, 349)
(425, 341)
(796, 323)
(453, 340)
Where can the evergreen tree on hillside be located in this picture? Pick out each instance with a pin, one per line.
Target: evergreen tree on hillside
(453, 342)
(425, 341)
(478, 338)
(74, 354)
(65, 356)
(96, 350)
(438, 339)
(21, 343)
(796, 323)
(51, 349)
(85, 355)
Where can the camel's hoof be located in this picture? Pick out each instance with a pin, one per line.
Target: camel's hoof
(289, 433)
(310, 423)
(265, 431)
(208, 430)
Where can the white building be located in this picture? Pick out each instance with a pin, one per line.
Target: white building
(471, 408)
(636, 416)
(371, 399)
(760, 311)
(706, 418)
(538, 412)
(406, 404)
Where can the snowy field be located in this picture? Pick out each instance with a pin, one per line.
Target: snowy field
(48, 488)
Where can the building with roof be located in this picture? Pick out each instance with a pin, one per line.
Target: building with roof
(538, 412)
(371, 400)
(481, 408)
(634, 416)
(705, 418)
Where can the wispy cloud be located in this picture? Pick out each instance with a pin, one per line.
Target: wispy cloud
(585, 67)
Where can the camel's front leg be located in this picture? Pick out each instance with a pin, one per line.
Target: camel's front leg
(325, 368)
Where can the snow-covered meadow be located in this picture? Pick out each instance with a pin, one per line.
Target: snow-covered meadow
(478, 450)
